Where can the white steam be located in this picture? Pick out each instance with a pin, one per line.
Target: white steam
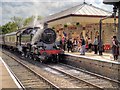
(37, 35)
(35, 2)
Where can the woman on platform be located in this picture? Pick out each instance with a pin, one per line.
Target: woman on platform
(115, 47)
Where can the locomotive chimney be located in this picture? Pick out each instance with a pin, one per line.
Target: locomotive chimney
(45, 25)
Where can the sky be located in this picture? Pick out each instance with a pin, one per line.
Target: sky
(27, 8)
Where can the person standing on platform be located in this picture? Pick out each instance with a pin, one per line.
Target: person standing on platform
(95, 43)
(69, 45)
(63, 43)
(115, 47)
(82, 51)
(89, 44)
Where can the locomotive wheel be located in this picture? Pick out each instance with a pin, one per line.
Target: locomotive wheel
(55, 59)
(60, 57)
(30, 56)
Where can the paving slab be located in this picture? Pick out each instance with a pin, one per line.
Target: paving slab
(6, 81)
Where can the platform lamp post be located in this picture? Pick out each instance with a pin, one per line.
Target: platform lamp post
(100, 37)
(115, 10)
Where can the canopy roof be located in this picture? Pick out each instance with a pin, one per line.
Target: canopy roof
(82, 9)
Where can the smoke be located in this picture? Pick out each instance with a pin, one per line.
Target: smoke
(37, 35)
(35, 2)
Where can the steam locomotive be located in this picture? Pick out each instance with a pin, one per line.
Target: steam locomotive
(34, 43)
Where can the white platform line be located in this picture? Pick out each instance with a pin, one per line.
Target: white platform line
(12, 76)
(91, 58)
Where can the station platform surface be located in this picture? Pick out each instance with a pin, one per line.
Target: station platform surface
(108, 57)
(7, 80)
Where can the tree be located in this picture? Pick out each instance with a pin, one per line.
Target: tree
(9, 27)
(39, 17)
(0, 29)
(18, 21)
(28, 20)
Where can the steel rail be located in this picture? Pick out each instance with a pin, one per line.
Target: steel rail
(40, 76)
(20, 83)
(90, 73)
(67, 74)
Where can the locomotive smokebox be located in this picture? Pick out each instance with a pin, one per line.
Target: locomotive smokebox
(48, 36)
(45, 34)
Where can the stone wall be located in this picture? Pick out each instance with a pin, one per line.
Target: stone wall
(108, 69)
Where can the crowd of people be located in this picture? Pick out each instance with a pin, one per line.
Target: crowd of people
(86, 45)
(79, 45)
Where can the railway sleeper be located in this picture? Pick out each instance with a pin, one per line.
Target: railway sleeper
(26, 78)
(90, 78)
(27, 81)
(37, 86)
(105, 85)
(102, 84)
(34, 83)
(22, 72)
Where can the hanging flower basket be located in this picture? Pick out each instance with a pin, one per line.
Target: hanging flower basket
(65, 25)
(77, 24)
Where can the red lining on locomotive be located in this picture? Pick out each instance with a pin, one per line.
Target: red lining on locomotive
(51, 51)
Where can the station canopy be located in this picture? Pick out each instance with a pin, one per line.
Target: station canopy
(81, 10)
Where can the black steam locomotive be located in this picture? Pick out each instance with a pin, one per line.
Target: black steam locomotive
(34, 43)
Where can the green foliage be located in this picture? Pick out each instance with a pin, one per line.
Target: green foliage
(9, 27)
(65, 25)
(77, 24)
(39, 17)
(0, 29)
(28, 20)
(17, 23)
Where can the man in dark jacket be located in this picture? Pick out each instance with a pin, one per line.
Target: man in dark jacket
(69, 45)
(83, 47)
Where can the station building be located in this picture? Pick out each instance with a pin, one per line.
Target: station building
(83, 20)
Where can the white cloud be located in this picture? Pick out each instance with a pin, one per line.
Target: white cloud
(26, 8)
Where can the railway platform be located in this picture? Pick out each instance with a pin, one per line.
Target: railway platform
(107, 57)
(7, 80)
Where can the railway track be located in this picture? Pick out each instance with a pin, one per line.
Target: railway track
(83, 79)
(95, 80)
(78, 83)
(28, 78)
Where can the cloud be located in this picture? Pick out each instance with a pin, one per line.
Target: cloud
(27, 8)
